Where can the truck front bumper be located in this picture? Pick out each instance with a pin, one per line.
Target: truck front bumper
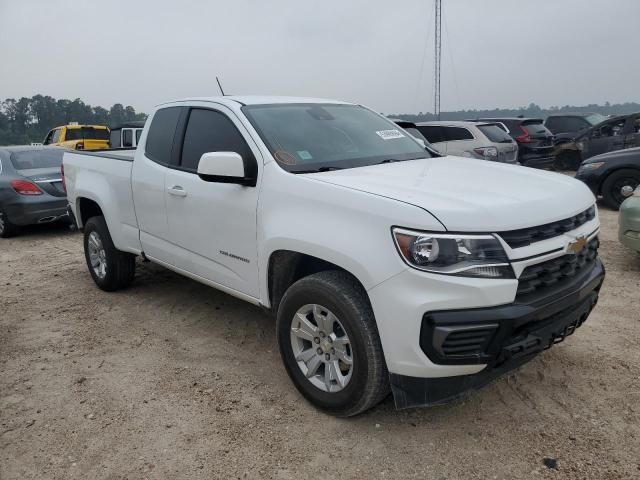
(456, 351)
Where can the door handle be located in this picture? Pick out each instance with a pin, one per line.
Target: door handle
(177, 191)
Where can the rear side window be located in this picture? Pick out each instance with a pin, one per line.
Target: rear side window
(138, 133)
(127, 138)
(88, 133)
(432, 133)
(114, 140)
(160, 136)
(211, 131)
(45, 158)
(495, 134)
(452, 134)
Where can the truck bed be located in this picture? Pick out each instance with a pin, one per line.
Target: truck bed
(104, 177)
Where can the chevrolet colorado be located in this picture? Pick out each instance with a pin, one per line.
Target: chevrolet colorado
(387, 267)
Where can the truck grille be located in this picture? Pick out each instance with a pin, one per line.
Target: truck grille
(553, 274)
(527, 236)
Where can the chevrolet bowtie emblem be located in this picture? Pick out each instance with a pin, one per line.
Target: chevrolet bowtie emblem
(577, 245)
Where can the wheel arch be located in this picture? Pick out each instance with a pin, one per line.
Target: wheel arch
(613, 170)
(285, 267)
(85, 209)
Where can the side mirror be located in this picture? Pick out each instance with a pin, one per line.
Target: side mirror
(224, 167)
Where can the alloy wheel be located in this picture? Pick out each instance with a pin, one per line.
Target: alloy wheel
(322, 348)
(97, 255)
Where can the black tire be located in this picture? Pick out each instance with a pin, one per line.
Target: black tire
(568, 160)
(120, 266)
(7, 229)
(340, 293)
(614, 182)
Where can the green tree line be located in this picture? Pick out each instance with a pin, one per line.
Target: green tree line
(28, 120)
(532, 110)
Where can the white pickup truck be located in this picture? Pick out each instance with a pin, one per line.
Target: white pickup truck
(386, 266)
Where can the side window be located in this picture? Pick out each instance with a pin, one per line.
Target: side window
(138, 133)
(161, 133)
(127, 137)
(48, 138)
(432, 133)
(114, 139)
(610, 129)
(452, 134)
(211, 131)
(56, 135)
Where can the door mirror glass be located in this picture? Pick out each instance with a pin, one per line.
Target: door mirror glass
(223, 167)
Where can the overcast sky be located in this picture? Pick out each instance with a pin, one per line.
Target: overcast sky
(496, 53)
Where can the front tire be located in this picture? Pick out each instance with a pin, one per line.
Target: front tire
(625, 179)
(7, 229)
(330, 345)
(110, 268)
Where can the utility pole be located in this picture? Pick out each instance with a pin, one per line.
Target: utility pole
(437, 58)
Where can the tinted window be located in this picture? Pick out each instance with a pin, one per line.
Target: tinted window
(306, 137)
(210, 131)
(161, 132)
(138, 133)
(88, 133)
(432, 133)
(45, 158)
(495, 133)
(566, 124)
(535, 128)
(114, 138)
(127, 138)
(451, 134)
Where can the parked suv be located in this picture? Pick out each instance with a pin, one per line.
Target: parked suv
(566, 126)
(535, 141)
(79, 137)
(486, 141)
(617, 133)
(126, 135)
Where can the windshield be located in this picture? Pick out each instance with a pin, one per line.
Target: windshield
(86, 133)
(314, 137)
(45, 158)
(595, 118)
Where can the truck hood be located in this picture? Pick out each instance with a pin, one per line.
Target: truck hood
(468, 195)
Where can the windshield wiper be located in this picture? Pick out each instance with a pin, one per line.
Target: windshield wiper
(316, 170)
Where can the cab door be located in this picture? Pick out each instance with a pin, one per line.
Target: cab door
(213, 225)
(148, 183)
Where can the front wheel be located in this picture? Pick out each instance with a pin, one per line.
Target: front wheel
(110, 268)
(619, 185)
(330, 345)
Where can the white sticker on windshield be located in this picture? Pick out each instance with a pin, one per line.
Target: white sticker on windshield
(390, 134)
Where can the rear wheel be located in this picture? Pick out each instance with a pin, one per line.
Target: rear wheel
(7, 229)
(330, 345)
(619, 185)
(110, 268)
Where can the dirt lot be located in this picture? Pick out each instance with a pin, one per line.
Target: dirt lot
(173, 379)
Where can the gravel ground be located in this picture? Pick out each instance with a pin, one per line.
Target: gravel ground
(172, 379)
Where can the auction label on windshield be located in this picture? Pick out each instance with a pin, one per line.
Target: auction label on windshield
(389, 134)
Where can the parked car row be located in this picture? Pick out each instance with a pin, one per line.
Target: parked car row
(349, 330)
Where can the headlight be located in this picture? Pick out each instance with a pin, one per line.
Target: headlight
(453, 254)
(587, 167)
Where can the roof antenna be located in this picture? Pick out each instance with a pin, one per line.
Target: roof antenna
(220, 86)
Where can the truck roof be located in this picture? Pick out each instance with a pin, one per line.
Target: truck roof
(254, 100)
